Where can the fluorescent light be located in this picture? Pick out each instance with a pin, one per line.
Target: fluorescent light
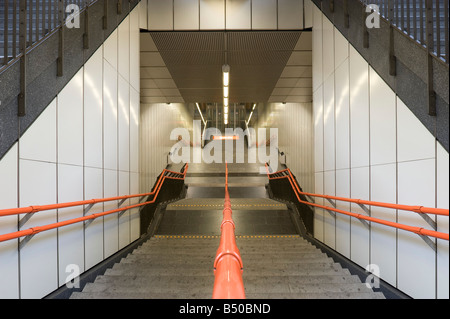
(225, 101)
(254, 106)
(225, 91)
(250, 117)
(226, 75)
(198, 107)
(226, 79)
(225, 109)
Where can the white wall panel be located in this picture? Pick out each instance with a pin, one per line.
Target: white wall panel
(135, 49)
(110, 49)
(124, 125)
(134, 130)
(290, 14)
(383, 146)
(160, 15)
(123, 53)
(264, 14)
(414, 140)
(341, 48)
(186, 15)
(318, 130)
(70, 112)
(416, 186)
(38, 258)
(124, 218)
(71, 237)
(317, 47)
(60, 159)
(383, 188)
(111, 235)
(143, 14)
(359, 109)
(360, 232)
(342, 116)
(93, 188)
(329, 152)
(328, 48)
(9, 265)
(93, 110)
(318, 212)
(134, 213)
(329, 220)
(383, 153)
(39, 141)
(238, 14)
(442, 199)
(212, 14)
(110, 117)
(343, 221)
(308, 5)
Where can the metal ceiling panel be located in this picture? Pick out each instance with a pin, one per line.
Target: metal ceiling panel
(260, 61)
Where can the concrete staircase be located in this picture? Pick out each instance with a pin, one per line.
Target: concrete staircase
(180, 268)
(275, 267)
(289, 267)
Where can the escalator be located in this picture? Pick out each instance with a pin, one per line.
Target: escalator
(177, 262)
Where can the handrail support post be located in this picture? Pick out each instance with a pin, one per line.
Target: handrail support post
(428, 219)
(24, 241)
(25, 219)
(430, 243)
(87, 209)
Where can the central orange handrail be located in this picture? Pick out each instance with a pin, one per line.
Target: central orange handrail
(228, 266)
(39, 229)
(417, 209)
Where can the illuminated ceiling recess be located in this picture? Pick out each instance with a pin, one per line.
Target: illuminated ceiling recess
(186, 66)
(226, 91)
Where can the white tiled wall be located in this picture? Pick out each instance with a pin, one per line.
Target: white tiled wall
(382, 153)
(84, 145)
(157, 122)
(9, 255)
(178, 15)
(294, 122)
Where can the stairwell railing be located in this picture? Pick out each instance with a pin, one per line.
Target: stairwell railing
(425, 21)
(421, 210)
(31, 210)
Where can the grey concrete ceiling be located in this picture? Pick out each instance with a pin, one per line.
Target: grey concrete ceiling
(266, 66)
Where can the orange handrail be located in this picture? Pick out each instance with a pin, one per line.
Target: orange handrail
(228, 266)
(417, 209)
(39, 229)
(35, 209)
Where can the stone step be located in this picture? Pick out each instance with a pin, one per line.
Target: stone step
(330, 295)
(284, 284)
(137, 295)
(284, 268)
(194, 295)
(188, 271)
(167, 284)
(187, 251)
(282, 257)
